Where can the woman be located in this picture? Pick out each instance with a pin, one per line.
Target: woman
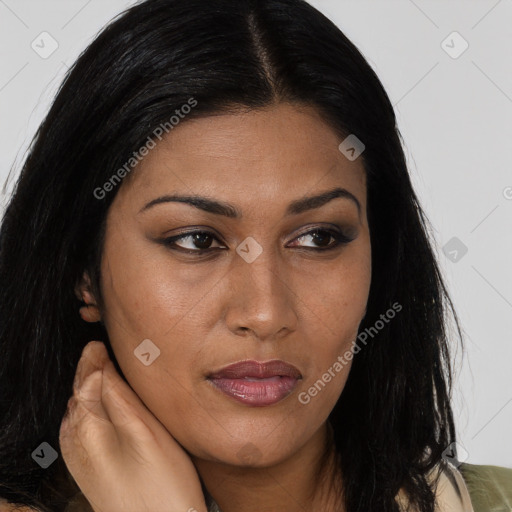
(220, 191)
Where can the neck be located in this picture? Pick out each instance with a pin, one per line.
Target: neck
(310, 479)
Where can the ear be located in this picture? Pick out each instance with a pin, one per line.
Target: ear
(83, 291)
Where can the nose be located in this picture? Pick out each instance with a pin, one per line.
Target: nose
(262, 298)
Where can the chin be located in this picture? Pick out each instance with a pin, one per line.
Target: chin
(250, 452)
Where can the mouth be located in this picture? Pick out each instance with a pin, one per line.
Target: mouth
(256, 384)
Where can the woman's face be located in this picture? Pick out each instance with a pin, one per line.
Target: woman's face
(205, 305)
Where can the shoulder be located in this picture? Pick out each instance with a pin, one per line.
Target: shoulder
(490, 487)
(472, 487)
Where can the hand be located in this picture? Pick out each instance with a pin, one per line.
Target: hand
(122, 458)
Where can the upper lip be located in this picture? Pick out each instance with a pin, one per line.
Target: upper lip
(256, 369)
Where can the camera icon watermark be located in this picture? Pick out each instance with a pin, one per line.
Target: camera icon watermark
(147, 352)
(44, 45)
(456, 454)
(454, 45)
(351, 147)
(249, 453)
(44, 455)
(455, 249)
(507, 193)
(249, 249)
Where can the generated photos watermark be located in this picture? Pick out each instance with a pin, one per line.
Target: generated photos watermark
(305, 396)
(143, 151)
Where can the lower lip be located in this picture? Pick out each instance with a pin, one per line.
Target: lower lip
(256, 393)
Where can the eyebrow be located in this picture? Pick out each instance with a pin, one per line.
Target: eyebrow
(228, 210)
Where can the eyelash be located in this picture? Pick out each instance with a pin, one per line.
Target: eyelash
(340, 239)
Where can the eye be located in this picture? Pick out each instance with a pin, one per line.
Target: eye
(197, 241)
(325, 239)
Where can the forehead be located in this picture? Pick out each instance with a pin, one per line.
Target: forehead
(260, 155)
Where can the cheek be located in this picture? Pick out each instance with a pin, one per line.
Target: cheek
(336, 308)
(330, 362)
(146, 297)
(150, 302)
(164, 387)
(321, 392)
(337, 304)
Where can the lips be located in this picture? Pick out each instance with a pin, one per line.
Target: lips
(256, 384)
(257, 370)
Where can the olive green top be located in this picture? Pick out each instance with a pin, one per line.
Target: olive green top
(490, 487)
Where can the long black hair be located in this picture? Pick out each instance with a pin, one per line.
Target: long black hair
(393, 419)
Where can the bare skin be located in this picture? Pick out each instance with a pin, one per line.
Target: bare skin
(119, 454)
(206, 311)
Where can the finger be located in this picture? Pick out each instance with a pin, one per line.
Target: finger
(89, 396)
(85, 398)
(66, 419)
(85, 409)
(130, 417)
(89, 381)
(123, 406)
(86, 430)
(94, 356)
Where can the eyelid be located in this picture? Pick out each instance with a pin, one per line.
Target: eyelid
(341, 236)
(172, 239)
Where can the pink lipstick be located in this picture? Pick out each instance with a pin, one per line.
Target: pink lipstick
(256, 384)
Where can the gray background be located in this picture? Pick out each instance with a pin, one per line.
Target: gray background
(454, 112)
